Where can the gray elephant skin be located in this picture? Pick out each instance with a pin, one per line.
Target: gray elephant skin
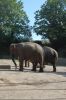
(28, 51)
(50, 56)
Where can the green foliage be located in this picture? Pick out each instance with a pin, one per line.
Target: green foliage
(13, 20)
(51, 19)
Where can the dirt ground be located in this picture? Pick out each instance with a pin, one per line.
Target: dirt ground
(32, 85)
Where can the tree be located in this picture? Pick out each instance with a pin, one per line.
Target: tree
(13, 20)
(51, 19)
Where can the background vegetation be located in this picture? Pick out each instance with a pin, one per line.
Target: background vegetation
(50, 22)
(14, 24)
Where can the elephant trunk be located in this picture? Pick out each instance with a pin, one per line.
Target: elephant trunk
(14, 60)
(12, 54)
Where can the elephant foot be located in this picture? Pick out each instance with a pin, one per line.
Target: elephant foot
(44, 66)
(41, 70)
(33, 70)
(54, 70)
(20, 69)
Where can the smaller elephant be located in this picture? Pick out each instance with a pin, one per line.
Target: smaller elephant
(50, 56)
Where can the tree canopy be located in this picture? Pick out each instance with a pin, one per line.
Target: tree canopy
(13, 21)
(51, 19)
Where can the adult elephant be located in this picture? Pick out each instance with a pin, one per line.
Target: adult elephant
(50, 56)
(28, 51)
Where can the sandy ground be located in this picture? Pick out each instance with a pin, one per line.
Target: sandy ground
(32, 85)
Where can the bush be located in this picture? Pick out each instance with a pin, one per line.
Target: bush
(62, 52)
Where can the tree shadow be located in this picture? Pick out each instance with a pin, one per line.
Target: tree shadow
(28, 69)
(58, 73)
(61, 73)
(12, 68)
(7, 68)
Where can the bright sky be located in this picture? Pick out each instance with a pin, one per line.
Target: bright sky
(30, 6)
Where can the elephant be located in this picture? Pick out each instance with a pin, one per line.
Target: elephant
(50, 56)
(28, 51)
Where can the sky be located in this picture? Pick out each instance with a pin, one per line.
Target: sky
(30, 6)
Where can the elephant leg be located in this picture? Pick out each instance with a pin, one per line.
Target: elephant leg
(25, 63)
(41, 68)
(21, 65)
(54, 67)
(28, 63)
(34, 67)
